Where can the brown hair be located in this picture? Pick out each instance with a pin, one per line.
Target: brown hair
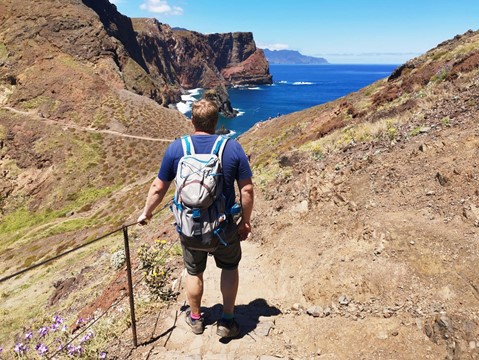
(204, 115)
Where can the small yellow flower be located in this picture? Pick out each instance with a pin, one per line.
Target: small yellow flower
(163, 241)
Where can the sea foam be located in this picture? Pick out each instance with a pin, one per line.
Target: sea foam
(187, 100)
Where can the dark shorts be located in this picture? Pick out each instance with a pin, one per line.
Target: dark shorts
(226, 257)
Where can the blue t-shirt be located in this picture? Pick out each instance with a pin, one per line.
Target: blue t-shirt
(235, 163)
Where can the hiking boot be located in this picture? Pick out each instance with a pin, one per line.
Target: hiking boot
(196, 326)
(227, 328)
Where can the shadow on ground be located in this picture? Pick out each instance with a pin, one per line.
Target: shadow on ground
(248, 316)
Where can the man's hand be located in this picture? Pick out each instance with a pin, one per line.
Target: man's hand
(247, 200)
(244, 230)
(143, 219)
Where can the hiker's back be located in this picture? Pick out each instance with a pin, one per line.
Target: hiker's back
(199, 203)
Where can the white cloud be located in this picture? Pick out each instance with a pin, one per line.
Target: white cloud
(161, 7)
(273, 46)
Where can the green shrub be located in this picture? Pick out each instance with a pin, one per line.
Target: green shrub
(157, 272)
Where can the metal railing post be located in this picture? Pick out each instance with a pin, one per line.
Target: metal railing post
(130, 285)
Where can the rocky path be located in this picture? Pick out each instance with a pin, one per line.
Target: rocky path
(274, 326)
(257, 316)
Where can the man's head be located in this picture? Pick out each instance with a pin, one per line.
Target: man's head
(204, 115)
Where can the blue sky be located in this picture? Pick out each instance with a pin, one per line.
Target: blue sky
(342, 31)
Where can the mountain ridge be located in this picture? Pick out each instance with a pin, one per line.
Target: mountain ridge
(292, 57)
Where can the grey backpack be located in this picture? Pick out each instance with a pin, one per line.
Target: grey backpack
(199, 203)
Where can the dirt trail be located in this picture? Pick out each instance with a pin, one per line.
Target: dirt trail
(82, 128)
(255, 314)
(274, 323)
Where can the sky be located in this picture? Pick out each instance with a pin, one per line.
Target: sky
(341, 31)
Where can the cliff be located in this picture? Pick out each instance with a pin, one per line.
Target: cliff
(59, 58)
(195, 60)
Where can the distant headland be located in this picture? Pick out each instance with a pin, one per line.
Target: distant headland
(291, 57)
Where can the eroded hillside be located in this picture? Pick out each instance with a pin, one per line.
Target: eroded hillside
(365, 237)
(373, 198)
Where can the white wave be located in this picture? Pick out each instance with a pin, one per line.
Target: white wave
(195, 92)
(188, 97)
(282, 82)
(187, 100)
(240, 113)
(184, 107)
(254, 88)
(192, 95)
(302, 83)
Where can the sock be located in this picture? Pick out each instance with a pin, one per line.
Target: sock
(227, 316)
(195, 316)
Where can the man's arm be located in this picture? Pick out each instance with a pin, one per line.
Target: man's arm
(156, 194)
(247, 201)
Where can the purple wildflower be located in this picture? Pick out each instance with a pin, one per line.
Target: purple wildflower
(64, 328)
(57, 319)
(80, 321)
(87, 337)
(20, 348)
(74, 350)
(102, 355)
(28, 336)
(41, 349)
(43, 331)
(1, 349)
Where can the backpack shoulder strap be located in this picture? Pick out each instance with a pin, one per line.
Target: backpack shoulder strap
(219, 146)
(187, 145)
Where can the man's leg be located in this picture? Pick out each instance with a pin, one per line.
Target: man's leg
(194, 292)
(195, 263)
(227, 259)
(227, 326)
(229, 289)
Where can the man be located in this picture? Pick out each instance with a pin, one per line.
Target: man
(235, 168)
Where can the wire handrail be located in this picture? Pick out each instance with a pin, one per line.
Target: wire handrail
(8, 277)
(124, 229)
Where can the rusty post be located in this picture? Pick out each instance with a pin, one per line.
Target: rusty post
(130, 285)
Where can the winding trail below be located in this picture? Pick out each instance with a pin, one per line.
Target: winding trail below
(83, 128)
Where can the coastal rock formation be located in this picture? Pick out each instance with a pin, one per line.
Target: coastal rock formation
(196, 60)
(220, 96)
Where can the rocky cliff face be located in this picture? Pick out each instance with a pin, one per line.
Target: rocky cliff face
(185, 58)
(195, 60)
(57, 56)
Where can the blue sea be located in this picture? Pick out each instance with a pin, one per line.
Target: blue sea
(294, 88)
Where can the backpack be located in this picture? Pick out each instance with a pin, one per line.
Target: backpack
(199, 203)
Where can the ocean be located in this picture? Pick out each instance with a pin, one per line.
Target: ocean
(294, 88)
